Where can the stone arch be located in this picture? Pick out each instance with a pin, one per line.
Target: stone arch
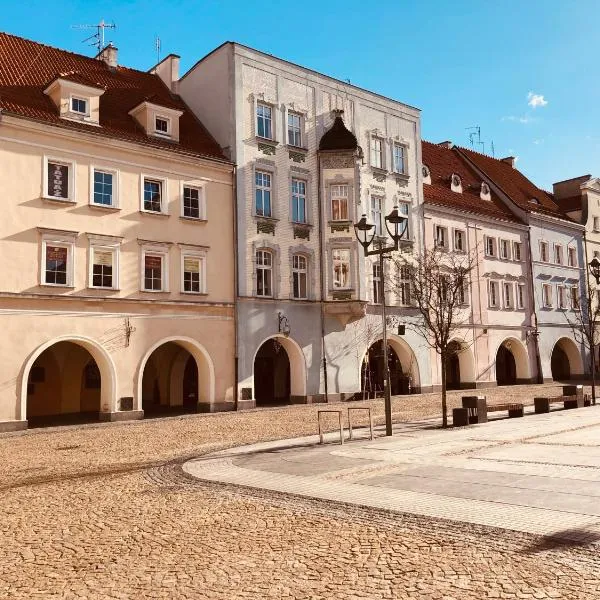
(103, 360)
(406, 356)
(521, 359)
(566, 347)
(466, 362)
(297, 364)
(206, 370)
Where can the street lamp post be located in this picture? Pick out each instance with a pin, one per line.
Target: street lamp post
(397, 227)
(594, 267)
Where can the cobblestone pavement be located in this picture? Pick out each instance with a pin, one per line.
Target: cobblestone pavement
(71, 528)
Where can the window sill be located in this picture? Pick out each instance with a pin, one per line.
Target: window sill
(155, 291)
(193, 219)
(194, 293)
(59, 200)
(404, 176)
(58, 285)
(154, 213)
(103, 289)
(264, 297)
(262, 140)
(106, 207)
(301, 224)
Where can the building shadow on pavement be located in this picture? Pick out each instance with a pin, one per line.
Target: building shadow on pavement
(569, 538)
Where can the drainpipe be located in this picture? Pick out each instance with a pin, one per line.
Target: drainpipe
(322, 275)
(236, 377)
(536, 338)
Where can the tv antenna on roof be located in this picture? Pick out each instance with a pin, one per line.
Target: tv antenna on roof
(98, 37)
(157, 48)
(475, 137)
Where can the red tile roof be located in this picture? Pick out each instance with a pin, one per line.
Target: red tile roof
(514, 184)
(27, 68)
(442, 163)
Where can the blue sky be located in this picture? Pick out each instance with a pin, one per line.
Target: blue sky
(525, 72)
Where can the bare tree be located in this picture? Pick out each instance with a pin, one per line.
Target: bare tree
(584, 321)
(437, 282)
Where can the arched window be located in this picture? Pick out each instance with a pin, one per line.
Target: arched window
(264, 273)
(299, 277)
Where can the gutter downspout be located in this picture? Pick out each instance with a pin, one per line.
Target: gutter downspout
(322, 276)
(236, 378)
(536, 338)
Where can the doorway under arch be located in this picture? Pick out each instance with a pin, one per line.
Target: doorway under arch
(279, 372)
(460, 366)
(512, 363)
(66, 382)
(175, 377)
(565, 361)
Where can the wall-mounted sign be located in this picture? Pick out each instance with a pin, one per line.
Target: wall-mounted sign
(58, 180)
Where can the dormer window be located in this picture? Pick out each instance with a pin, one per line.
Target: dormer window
(426, 174)
(162, 126)
(456, 183)
(79, 106)
(485, 193)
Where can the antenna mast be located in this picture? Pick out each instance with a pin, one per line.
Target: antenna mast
(98, 37)
(475, 137)
(157, 48)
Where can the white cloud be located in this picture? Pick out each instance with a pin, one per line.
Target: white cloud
(524, 119)
(535, 100)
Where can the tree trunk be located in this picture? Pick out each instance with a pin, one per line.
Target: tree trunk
(444, 405)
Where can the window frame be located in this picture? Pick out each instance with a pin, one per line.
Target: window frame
(546, 245)
(345, 198)
(332, 266)
(508, 301)
(299, 271)
(256, 187)
(379, 227)
(163, 253)
(167, 120)
(517, 245)
(493, 253)
(86, 101)
(103, 247)
(71, 165)
(520, 296)
(271, 108)
(550, 303)
(164, 201)
(376, 282)
(200, 256)
(295, 178)
(374, 152)
(505, 244)
(496, 295)
(461, 232)
(59, 242)
(270, 269)
(558, 254)
(572, 252)
(115, 186)
(201, 200)
(436, 230)
(300, 116)
(561, 297)
(404, 288)
(404, 148)
(574, 295)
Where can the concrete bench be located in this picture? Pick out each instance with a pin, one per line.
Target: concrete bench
(542, 404)
(460, 417)
(339, 414)
(476, 407)
(514, 409)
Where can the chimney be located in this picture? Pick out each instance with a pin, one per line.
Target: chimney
(510, 160)
(447, 144)
(168, 71)
(109, 55)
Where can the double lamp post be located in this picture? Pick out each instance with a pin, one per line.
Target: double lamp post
(397, 227)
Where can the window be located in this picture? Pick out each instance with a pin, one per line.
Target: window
(505, 249)
(341, 269)
(377, 214)
(339, 202)
(544, 252)
(264, 273)
(490, 246)
(153, 190)
(562, 296)
(459, 240)
(263, 194)
(462, 294)
(520, 295)
(493, 294)
(299, 277)
(404, 286)
(403, 210)
(558, 254)
(104, 188)
(376, 283)
(58, 181)
(161, 126)
(193, 202)
(377, 152)
(294, 129)
(547, 295)
(572, 256)
(574, 297)
(264, 121)
(154, 270)
(79, 106)
(193, 272)
(517, 251)
(508, 295)
(57, 268)
(103, 267)
(441, 237)
(298, 201)
(596, 223)
(399, 159)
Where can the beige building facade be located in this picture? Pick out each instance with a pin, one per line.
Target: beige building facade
(117, 296)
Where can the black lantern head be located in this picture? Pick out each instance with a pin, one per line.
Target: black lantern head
(595, 269)
(365, 232)
(396, 224)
